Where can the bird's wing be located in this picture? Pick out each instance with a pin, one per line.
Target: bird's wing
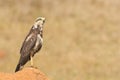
(28, 45)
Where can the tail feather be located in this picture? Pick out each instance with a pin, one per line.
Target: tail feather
(17, 68)
(22, 62)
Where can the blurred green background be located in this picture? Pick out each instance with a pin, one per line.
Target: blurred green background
(81, 37)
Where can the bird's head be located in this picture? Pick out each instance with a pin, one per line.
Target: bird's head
(39, 22)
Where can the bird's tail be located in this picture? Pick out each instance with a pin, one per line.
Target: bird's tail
(22, 62)
(17, 68)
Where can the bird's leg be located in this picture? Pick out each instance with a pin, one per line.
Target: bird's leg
(31, 60)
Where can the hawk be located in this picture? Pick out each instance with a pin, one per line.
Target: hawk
(32, 43)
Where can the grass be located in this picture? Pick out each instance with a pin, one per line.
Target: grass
(81, 37)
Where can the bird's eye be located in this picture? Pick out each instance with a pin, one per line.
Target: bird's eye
(43, 21)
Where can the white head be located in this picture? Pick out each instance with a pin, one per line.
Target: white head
(39, 22)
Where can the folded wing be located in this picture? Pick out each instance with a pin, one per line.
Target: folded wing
(28, 45)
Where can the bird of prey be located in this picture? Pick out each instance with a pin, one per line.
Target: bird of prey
(32, 43)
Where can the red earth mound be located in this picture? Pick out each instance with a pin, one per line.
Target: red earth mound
(24, 74)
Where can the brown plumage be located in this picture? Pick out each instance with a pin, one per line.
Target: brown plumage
(32, 43)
